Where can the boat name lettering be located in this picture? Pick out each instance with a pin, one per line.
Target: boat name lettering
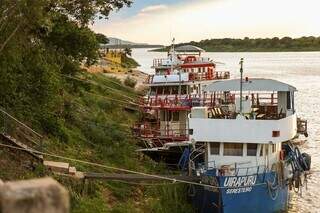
(244, 181)
(238, 190)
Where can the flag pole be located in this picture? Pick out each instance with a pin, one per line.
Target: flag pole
(241, 83)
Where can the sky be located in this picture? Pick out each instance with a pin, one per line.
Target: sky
(158, 21)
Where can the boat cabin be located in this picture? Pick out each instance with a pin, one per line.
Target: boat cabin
(245, 131)
(176, 87)
(173, 123)
(185, 64)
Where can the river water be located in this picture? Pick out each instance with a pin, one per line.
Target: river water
(300, 69)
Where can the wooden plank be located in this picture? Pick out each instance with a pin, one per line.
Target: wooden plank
(57, 166)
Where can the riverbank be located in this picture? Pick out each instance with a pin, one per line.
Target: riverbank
(126, 70)
(96, 127)
(285, 44)
(138, 76)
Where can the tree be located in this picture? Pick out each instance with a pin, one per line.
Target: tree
(102, 39)
(128, 51)
(40, 42)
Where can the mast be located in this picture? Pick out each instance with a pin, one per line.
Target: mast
(172, 54)
(241, 82)
(179, 70)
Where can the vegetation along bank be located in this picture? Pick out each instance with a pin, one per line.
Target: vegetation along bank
(285, 44)
(43, 48)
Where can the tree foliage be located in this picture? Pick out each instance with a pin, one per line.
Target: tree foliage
(40, 42)
(259, 44)
(102, 39)
(128, 51)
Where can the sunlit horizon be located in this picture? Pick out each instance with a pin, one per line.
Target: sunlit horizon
(204, 19)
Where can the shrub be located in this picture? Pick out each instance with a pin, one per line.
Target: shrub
(130, 82)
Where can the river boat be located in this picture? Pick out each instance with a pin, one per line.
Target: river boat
(174, 89)
(242, 148)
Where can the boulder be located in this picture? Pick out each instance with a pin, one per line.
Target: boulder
(33, 196)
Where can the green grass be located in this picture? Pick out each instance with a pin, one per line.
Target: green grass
(94, 126)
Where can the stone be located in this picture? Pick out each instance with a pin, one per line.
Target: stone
(33, 196)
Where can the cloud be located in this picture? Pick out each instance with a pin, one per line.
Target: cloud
(154, 8)
(202, 19)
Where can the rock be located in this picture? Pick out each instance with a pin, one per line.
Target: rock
(33, 196)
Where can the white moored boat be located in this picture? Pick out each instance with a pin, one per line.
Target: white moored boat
(247, 155)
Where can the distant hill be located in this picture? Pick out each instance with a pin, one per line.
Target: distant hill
(116, 42)
(256, 44)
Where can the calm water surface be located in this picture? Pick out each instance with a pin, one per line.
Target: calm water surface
(301, 70)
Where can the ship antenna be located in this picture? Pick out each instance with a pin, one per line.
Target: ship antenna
(172, 59)
(241, 82)
(172, 54)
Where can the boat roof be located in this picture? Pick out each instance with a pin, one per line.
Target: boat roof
(188, 48)
(254, 84)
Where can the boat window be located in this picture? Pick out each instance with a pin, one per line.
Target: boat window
(160, 90)
(252, 149)
(184, 90)
(267, 149)
(162, 116)
(233, 149)
(153, 91)
(261, 150)
(288, 100)
(214, 148)
(175, 116)
(167, 90)
(274, 148)
(175, 90)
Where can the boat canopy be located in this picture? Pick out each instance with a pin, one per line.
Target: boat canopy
(254, 84)
(188, 48)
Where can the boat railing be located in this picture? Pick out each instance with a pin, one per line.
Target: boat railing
(166, 62)
(217, 75)
(160, 61)
(230, 169)
(209, 76)
(186, 101)
(146, 130)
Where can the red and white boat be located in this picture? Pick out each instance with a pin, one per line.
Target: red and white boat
(176, 87)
